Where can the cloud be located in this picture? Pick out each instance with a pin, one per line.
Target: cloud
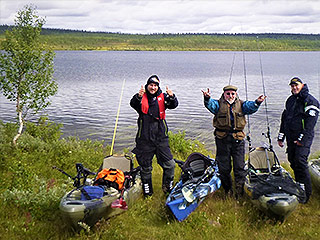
(173, 16)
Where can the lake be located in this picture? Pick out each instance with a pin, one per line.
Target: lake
(90, 86)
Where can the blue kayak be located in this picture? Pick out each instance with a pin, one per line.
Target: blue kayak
(199, 178)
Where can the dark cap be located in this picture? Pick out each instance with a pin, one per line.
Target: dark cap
(153, 79)
(230, 87)
(295, 80)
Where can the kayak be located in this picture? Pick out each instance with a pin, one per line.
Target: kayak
(314, 169)
(269, 186)
(199, 178)
(88, 203)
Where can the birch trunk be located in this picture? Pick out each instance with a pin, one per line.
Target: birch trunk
(19, 130)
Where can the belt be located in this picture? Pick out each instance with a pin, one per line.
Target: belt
(228, 131)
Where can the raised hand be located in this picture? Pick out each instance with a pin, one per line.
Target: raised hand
(207, 93)
(169, 91)
(261, 98)
(141, 91)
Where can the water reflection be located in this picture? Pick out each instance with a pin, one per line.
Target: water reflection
(90, 85)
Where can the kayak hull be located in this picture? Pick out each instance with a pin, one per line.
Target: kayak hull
(180, 207)
(188, 193)
(76, 211)
(277, 204)
(269, 186)
(314, 170)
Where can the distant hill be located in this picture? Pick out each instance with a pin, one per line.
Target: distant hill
(293, 36)
(67, 39)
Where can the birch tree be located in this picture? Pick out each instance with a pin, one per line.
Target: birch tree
(26, 66)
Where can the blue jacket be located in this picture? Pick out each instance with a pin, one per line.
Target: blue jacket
(248, 107)
(299, 118)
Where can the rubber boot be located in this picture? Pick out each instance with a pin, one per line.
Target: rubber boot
(147, 187)
(306, 196)
(239, 191)
(167, 185)
(228, 194)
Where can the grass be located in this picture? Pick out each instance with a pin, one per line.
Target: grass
(31, 191)
(79, 40)
(174, 42)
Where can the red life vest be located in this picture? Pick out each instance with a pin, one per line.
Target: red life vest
(145, 105)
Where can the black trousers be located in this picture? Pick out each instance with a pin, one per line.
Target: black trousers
(298, 158)
(144, 153)
(229, 148)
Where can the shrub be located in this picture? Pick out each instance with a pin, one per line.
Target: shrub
(181, 147)
(44, 129)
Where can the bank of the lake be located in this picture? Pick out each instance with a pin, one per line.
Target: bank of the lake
(182, 42)
(30, 192)
(61, 39)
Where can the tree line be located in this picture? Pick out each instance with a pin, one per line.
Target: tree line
(287, 36)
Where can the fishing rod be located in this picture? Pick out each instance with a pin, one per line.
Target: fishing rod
(231, 71)
(116, 124)
(268, 135)
(319, 80)
(246, 90)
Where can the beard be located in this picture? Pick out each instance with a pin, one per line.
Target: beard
(230, 101)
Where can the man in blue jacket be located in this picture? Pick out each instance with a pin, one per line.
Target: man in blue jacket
(229, 122)
(297, 126)
(152, 136)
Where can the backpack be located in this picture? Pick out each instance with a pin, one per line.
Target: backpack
(110, 177)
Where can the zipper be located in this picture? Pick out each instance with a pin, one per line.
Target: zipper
(140, 128)
(166, 128)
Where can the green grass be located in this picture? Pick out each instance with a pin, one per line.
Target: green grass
(78, 40)
(174, 42)
(30, 193)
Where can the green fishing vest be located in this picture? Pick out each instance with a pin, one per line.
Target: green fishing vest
(222, 120)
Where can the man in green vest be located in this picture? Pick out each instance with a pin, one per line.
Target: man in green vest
(229, 121)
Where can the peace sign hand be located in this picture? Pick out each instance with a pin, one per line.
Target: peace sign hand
(206, 94)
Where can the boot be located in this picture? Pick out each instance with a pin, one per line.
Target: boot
(147, 187)
(167, 186)
(239, 191)
(306, 195)
(228, 194)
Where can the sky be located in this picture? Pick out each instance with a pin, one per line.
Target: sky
(174, 16)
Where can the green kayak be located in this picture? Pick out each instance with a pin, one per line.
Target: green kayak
(269, 186)
(88, 203)
(314, 169)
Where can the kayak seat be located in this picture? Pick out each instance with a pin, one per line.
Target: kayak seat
(258, 159)
(194, 167)
(123, 163)
(117, 162)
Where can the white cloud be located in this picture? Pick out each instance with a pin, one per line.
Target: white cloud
(215, 16)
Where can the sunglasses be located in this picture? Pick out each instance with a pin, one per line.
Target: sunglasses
(230, 94)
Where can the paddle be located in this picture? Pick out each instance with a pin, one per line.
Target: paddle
(188, 190)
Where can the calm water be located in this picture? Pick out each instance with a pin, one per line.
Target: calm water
(90, 86)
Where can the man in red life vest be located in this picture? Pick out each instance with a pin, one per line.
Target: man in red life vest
(152, 136)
